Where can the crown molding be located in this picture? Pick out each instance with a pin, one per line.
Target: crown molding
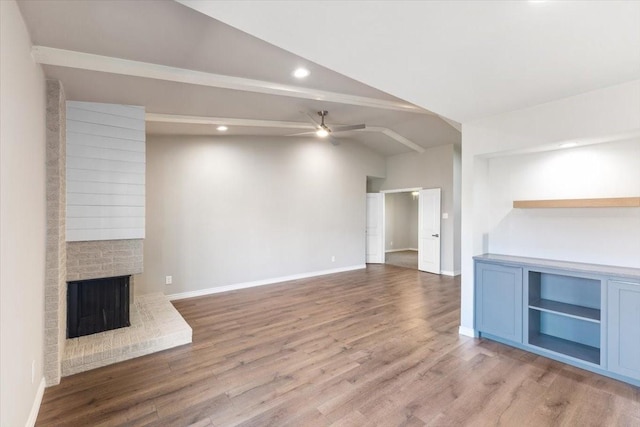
(107, 64)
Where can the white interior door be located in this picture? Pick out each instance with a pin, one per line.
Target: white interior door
(429, 231)
(375, 228)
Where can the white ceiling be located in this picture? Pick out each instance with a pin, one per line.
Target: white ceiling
(170, 34)
(461, 59)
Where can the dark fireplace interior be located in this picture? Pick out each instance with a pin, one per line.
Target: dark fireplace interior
(97, 305)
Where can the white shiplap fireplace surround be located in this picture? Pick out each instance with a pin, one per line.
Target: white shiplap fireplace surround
(95, 229)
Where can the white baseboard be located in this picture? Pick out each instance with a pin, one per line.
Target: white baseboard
(450, 273)
(244, 285)
(468, 332)
(400, 250)
(35, 408)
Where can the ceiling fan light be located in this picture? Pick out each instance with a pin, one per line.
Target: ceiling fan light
(322, 133)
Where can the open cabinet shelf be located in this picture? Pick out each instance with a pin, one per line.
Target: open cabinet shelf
(617, 202)
(563, 309)
(564, 314)
(566, 347)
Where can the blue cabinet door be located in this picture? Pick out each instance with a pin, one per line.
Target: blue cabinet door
(623, 335)
(498, 300)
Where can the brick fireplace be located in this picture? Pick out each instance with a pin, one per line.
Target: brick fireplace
(155, 324)
(56, 250)
(103, 258)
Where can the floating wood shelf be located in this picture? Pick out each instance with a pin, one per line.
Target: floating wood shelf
(618, 202)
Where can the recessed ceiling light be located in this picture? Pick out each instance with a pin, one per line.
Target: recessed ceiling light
(222, 128)
(301, 73)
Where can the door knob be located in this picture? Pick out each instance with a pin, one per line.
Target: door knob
(435, 235)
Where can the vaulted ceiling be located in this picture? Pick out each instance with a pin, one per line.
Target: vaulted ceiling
(193, 72)
(411, 70)
(461, 59)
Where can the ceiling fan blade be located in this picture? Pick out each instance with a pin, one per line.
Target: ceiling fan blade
(346, 128)
(302, 133)
(333, 140)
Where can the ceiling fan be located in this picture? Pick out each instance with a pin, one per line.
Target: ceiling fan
(325, 131)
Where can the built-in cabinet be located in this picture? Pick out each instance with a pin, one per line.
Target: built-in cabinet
(623, 329)
(498, 307)
(582, 314)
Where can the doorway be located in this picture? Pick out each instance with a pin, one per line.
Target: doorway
(403, 228)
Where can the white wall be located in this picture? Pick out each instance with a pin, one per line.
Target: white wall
(401, 221)
(22, 218)
(608, 114)
(603, 236)
(432, 169)
(223, 211)
(105, 171)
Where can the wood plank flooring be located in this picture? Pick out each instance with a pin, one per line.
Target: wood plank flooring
(407, 259)
(370, 347)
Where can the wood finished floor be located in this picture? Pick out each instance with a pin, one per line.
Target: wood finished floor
(406, 259)
(371, 347)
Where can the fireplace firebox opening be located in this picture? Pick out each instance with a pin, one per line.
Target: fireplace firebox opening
(97, 305)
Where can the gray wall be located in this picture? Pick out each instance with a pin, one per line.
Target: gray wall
(224, 210)
(432, 169)
(22, 219)
(457, 208)
(401, 221)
